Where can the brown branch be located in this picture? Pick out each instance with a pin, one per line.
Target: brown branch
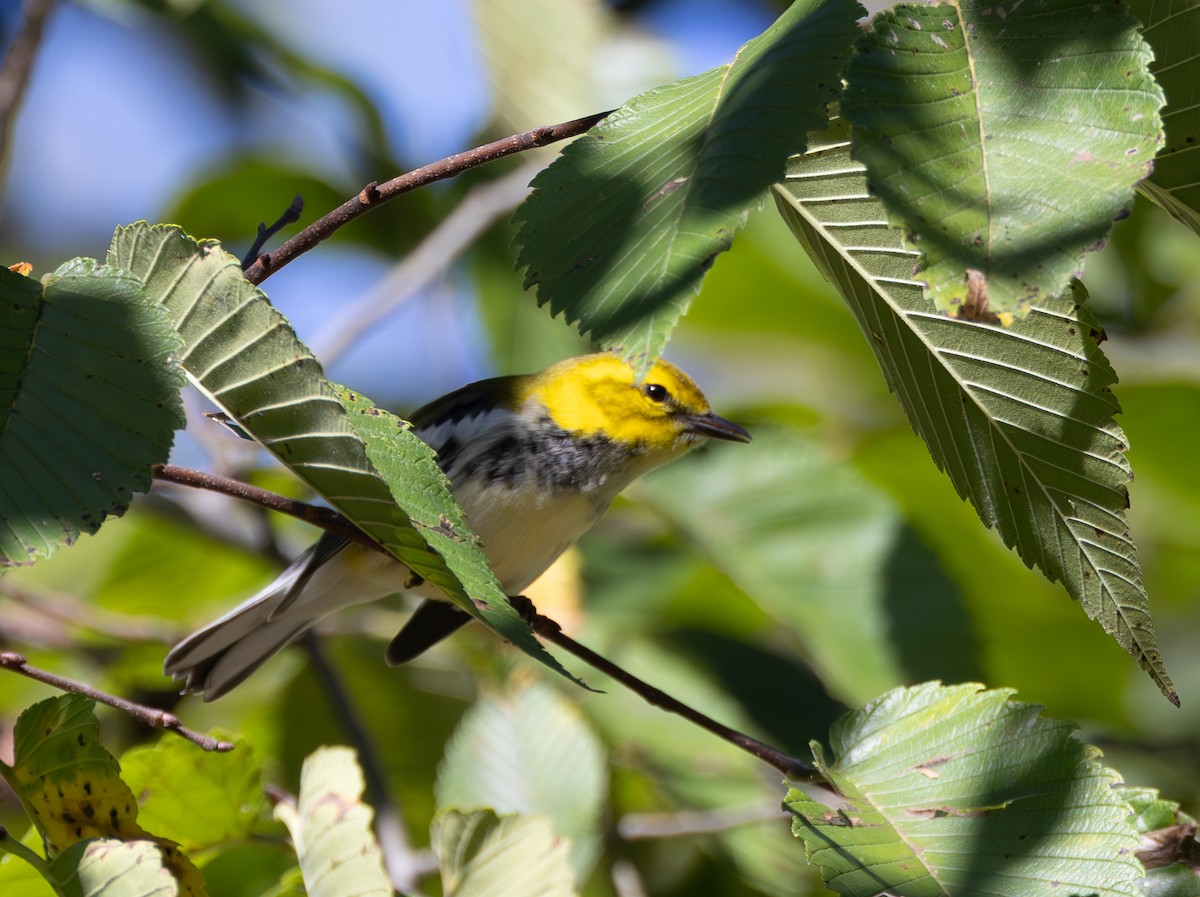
(793, 768)
(374, 193)
(18, 64)
(326, 518)
(290, 216)
(150, 716)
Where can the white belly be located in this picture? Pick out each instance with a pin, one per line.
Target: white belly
(524, 533)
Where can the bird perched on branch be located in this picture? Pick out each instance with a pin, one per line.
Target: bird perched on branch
(533, 460)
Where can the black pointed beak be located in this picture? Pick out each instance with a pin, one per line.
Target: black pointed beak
(713, 427)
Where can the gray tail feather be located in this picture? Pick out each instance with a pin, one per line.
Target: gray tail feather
(222, 654)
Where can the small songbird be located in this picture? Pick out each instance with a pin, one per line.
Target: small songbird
(533, 460)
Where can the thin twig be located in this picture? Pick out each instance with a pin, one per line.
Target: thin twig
(290, 215)
(398, 855)
(690, 823)
(373, 194)
(795, 769)
(790, 766)
(150, 716)
(477, 211)
(18, 64)
(626, 880)
(326, 518)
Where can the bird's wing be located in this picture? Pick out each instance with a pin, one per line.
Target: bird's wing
(292, 581)
(456, 420)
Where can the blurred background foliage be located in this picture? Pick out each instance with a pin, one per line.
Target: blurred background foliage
(769, 585)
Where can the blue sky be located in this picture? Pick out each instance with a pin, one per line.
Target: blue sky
(119, 114)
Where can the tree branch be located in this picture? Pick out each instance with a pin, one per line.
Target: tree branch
(791, 767)
(290, 215)
(150, 716)
(479, 209)
(374, 193)
(326, 518)
(18, 64)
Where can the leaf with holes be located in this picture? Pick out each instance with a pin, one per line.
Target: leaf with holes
(620, 230)
(1004, 139)
(1020, 419)
(952, 790)
(72, 789)
(89, 400)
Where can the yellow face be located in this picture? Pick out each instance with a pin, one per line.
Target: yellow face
(597, 394)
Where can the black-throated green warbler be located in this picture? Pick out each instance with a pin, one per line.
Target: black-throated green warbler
(534, 461)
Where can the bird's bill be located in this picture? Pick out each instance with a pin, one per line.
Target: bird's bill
(714, 427)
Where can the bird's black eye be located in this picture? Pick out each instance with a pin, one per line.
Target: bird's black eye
(655, 392)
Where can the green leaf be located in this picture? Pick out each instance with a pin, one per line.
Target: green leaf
(483, 855)
(245, 356)
(1019, 418)
(1176, 880)
(410, 468)
(952, 790)
(1173, 32)
(1004, 145)
(105, 867)
(1167, 841)
(68, 782)
(89, 400)
(805, 538)
(331, 828)
(223, 792)
(529, 751)
(72, 789)
(1150, 811)
(620, 230)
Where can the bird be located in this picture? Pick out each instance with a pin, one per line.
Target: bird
(533, 460)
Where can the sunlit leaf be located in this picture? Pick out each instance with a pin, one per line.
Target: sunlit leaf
(951, 790)
(70, 783)
(1003, 144)
(71, 786)
(89, 400)
(331, 828)
(483, 855)
(106, 867)
(1019, 418)
(223, 792)
(621, 228)
(528, 751)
